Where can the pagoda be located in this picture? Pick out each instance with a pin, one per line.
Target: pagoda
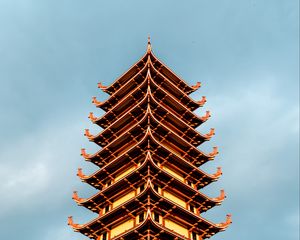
(149, 179)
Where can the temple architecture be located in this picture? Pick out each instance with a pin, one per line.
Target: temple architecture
(149, 179)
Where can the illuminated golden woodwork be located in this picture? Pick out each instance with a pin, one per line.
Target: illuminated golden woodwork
(119, 176)
(173, 173)
(123, 199)
(122, 228)
(176, 227)
(175, 199)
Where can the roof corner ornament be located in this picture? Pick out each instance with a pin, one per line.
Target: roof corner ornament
(228, 219)
(221, 197)
(218, 173)
(198, 85)
(149, 48)
(102, 87)
(227, 223)
(71, 223)
(75, 197)
(95, 101)
(206, 116)
(214, 152)
(88, 134)
(211, 133)
(202, 101)
(92, 117)
(80, 173)
(84, 154)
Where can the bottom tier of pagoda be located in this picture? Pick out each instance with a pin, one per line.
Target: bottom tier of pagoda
(149, 215)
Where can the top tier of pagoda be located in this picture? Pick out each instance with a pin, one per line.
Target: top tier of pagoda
(149, 179)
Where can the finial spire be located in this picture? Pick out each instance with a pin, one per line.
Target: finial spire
(149, 45)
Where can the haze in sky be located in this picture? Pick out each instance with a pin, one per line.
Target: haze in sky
(52, 55)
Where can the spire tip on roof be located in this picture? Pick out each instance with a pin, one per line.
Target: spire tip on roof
(149, 45)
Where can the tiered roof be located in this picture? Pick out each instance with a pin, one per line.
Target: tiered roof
(149, 147)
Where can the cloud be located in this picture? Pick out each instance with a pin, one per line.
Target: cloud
(258, 137)
(37, 181)
(246, 54)
(20, 185)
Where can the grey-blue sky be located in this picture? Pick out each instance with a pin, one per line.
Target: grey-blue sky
(52, 54)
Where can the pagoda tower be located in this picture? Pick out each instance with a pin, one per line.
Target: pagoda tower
(149, 179)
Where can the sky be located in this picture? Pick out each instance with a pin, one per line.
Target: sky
(52, 55)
